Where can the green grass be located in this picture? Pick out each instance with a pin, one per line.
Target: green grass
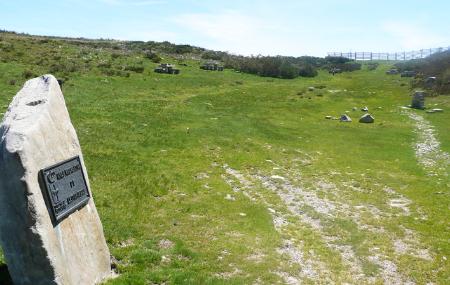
(143, 165)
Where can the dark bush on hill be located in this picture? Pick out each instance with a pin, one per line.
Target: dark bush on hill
(27, 74)
(307, 71)
(436, 65)
(153, 57)
(213, 55)
(372, 65)
(274, 66)
(337, 59)
(288, 71)
(134, 68)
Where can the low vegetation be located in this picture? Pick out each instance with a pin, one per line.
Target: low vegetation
(436, 65)
(233, 178)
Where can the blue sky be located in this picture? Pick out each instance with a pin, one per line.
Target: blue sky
(242, 27)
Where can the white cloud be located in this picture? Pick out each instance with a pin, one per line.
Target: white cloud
(410, 36)
(232, 31)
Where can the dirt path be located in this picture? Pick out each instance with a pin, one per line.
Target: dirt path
(427, 147)
(318, 207)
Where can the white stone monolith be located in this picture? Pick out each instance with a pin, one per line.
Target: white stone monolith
(36, 133)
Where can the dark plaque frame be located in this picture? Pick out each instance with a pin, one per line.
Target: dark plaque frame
(71, 182)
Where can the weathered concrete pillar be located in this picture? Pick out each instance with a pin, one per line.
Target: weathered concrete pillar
(50, 231)
(418, 100)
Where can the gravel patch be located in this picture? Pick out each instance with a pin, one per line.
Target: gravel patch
(427, 146)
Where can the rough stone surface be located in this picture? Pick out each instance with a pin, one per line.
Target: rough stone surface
(418, 100)
(36, 132)
(366, 118)
(345, 118)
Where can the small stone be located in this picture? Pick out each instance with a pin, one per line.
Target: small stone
(367, 118)
(345, 118)
(437, 110)
(229, 197)
(365, 109)
(328, 117)
(242, 214)
(165, 244)
(311, 88)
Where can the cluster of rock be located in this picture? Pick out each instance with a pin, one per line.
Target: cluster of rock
(167, 68)
(211, 66)
(366, 118)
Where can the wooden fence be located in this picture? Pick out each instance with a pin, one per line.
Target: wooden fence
(389, 56)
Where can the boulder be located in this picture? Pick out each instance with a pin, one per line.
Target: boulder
(437, 110)
(365, 109)
(345, 118)
(367, 118)
(36, 133)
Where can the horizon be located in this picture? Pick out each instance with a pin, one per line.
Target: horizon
(251, 28)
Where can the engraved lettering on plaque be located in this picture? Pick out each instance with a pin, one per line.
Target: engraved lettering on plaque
(66, 188)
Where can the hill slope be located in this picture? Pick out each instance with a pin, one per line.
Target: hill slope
(229, 178)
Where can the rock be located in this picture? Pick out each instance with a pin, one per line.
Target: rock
(354, 109)
(311, 88)
(438, 110)
(430, 82)
(345, 118)
(365, 109)
(328, 117)
(418, 100)
(229, 197)
(392, 71)
(366, 118)
(36, 133)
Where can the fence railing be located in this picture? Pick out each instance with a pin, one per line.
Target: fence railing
(389, 56)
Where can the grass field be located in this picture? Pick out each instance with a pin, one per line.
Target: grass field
(228, 178)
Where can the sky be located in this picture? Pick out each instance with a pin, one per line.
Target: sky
(250, 27)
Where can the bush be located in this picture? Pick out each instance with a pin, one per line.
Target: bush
(115, 55)
(372, 65)
(27, 74)
(337, 59)
(153, 57)
(307, 71)
(134, 68)
(12, 82)
(288, 71)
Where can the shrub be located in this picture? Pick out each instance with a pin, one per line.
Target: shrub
(27, 74)
(288, 71)
(134, 68)
(153, 57)
(307, 71)
(372, 65)
(115, 55)
(104, 65)
(12, 82)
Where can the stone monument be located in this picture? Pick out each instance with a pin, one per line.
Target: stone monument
(418, 100)
(50, 231)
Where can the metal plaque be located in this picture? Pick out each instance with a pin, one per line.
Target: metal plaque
(66, 186)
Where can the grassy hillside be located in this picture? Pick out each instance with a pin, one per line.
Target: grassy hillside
(229, 178)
